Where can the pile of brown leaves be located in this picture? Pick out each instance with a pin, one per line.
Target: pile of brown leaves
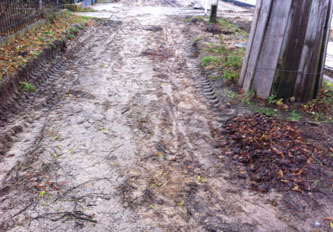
(274, 155)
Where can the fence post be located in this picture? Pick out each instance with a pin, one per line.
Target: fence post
(213, 11)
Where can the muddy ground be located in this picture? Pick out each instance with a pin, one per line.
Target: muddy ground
(121, 141)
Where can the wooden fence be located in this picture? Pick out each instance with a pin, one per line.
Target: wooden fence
(287, 48)
(16, 14)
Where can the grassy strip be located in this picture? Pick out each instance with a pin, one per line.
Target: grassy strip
(24, 47)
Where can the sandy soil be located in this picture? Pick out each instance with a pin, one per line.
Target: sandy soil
(127, 144)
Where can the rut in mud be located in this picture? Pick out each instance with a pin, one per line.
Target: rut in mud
(126, 146)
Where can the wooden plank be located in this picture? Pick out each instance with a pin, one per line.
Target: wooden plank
(324, 48)
(305, 83)
(292, 46)
(257, 43)
(250, 42)
(271, 47)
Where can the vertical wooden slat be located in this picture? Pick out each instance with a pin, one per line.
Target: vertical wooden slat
(305, 83)
(250, 41)
(324, 47)
(271, 47)
(257, 42)
(293, 43)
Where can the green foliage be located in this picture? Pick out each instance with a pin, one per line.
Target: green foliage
(234, 95)
(196, 39)
(48, 33)
(248, 97)
(216, 78)
(328, 86)
(231, 27)
(227, 61)
(294, 116)
(268, 111)
(74, 30)
(195, 18)
(207, 60)
(233, 61)
(71, 36)
(86, 18)
(34, 53)
(272, 99)
(27, 87)
(230, 75)
(321, 108)
(216, 49)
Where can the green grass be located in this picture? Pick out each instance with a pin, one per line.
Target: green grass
(74, 30)
(294, 116)
(268, 111)
(48, 33)
(216, 49)
(27, 87)
(228, 62)
(230, 75)
(34, 53)
(233, 61)
(231, 27)
(216, 77)
(200, 18)
(196, 39)
(208, 60)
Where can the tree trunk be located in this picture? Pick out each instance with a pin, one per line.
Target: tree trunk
(287, 48)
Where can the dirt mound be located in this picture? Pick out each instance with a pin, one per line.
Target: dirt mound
(274, 154)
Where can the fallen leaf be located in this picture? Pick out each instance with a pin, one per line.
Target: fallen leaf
(41, 194)
(40, 187)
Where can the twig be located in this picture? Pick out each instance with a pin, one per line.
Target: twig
(74, 214)
(22, 210)
(116, 148)
(75, 187)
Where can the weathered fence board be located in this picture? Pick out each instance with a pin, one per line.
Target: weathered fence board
(284, 84)
(256, 42)
(287, 48)
(325, 47)
(247, 54)
(271, 47)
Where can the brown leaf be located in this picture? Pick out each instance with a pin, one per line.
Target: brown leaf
(39, 187)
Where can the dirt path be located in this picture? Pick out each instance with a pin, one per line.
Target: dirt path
(126, 146)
